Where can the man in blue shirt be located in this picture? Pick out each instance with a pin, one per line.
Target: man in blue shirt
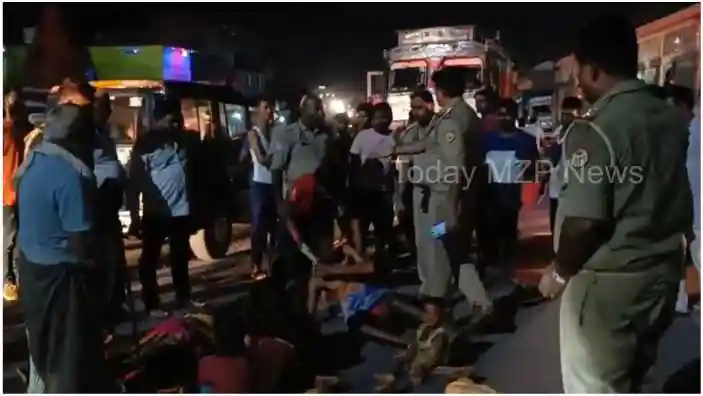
(59, 298)
(511, 155)
(158, 172)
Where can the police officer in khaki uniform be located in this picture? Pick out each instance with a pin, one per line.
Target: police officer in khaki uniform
(422, 105)
(623, 212)
(446, 161)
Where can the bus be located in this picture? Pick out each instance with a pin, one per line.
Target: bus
(217, 118)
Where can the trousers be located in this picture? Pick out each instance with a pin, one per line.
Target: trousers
(62, 304)
(442, 264)
(610, 326)
(156, 230)
(263, 220)
(9, 228)
(35, 384)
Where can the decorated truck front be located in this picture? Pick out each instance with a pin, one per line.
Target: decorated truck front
(422, 52)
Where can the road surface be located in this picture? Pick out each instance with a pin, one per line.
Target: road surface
(526, 361)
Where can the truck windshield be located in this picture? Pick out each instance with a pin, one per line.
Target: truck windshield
(473, 77)
(406, 79)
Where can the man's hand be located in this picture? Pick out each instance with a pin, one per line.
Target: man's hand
(305, 249)
(549, 286)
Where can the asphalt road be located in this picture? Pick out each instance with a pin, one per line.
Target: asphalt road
(525, 361)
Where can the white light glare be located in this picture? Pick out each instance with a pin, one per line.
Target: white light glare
(337, 106)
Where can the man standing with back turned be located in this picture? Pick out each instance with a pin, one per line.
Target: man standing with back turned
(620, 239)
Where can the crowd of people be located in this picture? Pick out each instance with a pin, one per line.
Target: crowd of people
(452, 178)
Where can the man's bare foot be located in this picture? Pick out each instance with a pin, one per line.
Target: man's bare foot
(385, 383)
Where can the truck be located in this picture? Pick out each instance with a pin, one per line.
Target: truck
(421, 52)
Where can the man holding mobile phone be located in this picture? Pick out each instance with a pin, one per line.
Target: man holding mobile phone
(447, 173)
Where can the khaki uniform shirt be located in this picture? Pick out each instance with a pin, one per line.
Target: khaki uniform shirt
(625, 163)
(452, 147)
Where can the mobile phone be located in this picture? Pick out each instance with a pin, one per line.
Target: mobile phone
(439, 230)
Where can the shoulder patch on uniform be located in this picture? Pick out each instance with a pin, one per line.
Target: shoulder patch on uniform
(579, 158)
(450, 137)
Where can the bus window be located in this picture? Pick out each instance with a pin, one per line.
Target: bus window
(235, 116)
(189, 110)
(125, 118)
(205, 125)
(197, 116)
(221, 128)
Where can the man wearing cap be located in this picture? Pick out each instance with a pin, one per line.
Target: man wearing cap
(159, 172)
(298, 152)
(59, 298)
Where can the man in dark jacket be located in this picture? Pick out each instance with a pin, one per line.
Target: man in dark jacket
(159, 173)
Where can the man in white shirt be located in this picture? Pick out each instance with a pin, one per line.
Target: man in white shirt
(371, 178)
(371, 144)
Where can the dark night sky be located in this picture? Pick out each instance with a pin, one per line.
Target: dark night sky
(334, 44)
